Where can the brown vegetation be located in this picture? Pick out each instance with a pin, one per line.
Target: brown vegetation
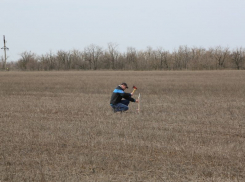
(58, 126)
(94, 57)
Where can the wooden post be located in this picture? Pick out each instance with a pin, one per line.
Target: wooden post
(139, 103)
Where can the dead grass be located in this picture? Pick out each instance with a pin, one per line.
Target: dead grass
(58, 126)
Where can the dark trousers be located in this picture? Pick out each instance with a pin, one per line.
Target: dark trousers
(121, 106)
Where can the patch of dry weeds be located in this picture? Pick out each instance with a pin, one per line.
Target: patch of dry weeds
(58, 126)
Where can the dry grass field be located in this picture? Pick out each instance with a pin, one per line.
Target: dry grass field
(58, 126)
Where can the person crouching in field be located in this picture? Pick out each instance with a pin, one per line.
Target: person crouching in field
(117, 103)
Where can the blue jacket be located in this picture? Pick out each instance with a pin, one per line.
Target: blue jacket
(118, 94)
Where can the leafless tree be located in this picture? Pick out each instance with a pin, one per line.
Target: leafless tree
(92, 54)
(48, 61)
(88, 57)
(150, 57)
(94, 57)
(238, 57)
(221, 54)
(113, 54)
(131, 57)
(163, 57)
(184, 56)
(63, 60)
(142, 60)
(197, 56)
(2, 61)
(28, 61)
(76, 59)
(176, 60)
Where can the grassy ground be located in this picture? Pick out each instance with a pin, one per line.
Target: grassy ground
(58, 126)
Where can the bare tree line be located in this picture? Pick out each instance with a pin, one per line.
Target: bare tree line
(94, 57)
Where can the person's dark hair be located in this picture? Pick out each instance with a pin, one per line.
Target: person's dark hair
(125, 84)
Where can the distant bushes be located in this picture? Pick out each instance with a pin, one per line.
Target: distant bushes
(95, 57)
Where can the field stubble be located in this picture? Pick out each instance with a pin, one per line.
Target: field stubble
(58, 126)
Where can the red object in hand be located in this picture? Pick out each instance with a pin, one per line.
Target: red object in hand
(135, 88)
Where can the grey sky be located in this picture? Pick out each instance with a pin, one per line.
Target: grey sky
(51, 25)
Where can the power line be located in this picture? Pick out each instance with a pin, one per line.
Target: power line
(5, 55)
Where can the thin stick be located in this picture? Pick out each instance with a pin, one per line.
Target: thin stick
(139, 103)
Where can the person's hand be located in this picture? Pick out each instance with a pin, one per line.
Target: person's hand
(132, 94)
(136, 100)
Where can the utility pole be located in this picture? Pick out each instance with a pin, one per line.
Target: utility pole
(5, 56)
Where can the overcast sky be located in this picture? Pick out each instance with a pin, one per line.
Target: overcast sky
(51, 25)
